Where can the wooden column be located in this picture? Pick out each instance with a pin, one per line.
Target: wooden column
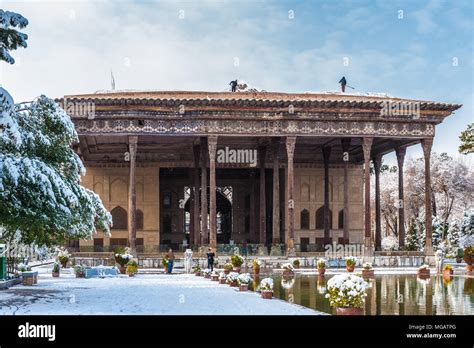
(192, 198)
(427, 144)
(401, 151)
(262, 225)
(276, 193)
(132, 195)
(327, 217)
(212, 144)
(252, 214)
(366, 147)
(290, 206)
(346, 142)
(378, 224)
(204, 208)
(196, 216)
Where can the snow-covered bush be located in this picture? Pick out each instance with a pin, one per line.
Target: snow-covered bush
(346, 290)
(206, 271)
(351, 261)
(389, 243)
(236, 260)
(24, 268)
(63, 256)
(244, 278)
(321, 263)
(79, 270)
(214, 274)
(287, 283)
(232, 277)
(228, 266)
(56, 267)
(466, 239)
(266, 284)
(367, 266)
(122, 256)
(423, 267)
(222, 275)
(288, 267)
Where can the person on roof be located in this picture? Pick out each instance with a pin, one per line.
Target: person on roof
(343, 83)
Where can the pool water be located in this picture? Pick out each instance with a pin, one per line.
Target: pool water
(386, 295)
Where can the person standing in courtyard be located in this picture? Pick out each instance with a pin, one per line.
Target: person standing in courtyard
(170, 258)
(210, 259)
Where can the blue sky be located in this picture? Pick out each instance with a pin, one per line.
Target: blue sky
(292, 46)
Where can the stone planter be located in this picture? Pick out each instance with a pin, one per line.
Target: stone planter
(215, 278)
(197, 274)
(350, 268)
(349, 311)
(367, 273)
(55, 274)
(221, 281)
(243, 287)
(321, 271)
(233, 284)
(208, 276)
(267, 294)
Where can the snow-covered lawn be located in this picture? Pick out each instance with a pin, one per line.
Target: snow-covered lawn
(143, 294)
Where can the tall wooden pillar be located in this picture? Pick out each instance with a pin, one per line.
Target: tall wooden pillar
(378, 224)
(192, 198)
(401, 151)
(327, 217)
(366, 147)
(196, 240)
(252, 215)
(290, 205)
(427, 144)
(204, 208)
(276, 193)
(212, 144)
(132, 195)
(262, 225)
(346, 142)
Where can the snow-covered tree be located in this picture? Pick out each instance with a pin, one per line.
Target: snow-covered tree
(467, 140)
(466, 239)
(40, 191)
(10, 38)
(412, 238)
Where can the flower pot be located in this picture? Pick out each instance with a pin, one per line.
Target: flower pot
(469, 268)
(243, 287)
(233, 284)
(367, 273)
(226, 271)
(64, 264)
(215, 278)
(349, 311)
(55, 274)
(350, 268)
(267, 294)
(122, 269)
(197, 274)
(131, 274)
(221, 281)
(207, 276)
(236, 269)
(80, 275)
(321, 271)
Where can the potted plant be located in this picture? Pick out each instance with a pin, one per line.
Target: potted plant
(459, 255)
(28, 277)
(424, 271)
(222, 278)
(347, 293)
(122, 256)
(63, 257)
(296, 263)
(288, 270)
(237, 262)
(164, 263)
(266, 288)
(197, 270)
(367, 270)
(232, 279)
(321, 265)
(448, 270)
(132, 268)
(56, 268)
(228, 267)
(350, 263)
(215, 276)
(256, 265)
(80, 271)
(469, 257)
(244, 280)
(207, 273)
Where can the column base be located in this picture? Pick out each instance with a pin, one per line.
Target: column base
(275, 251)
(262, 250)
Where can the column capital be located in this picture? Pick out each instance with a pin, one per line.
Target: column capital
(427, 144)
(132, 139)
(290, 146)
(400, 152)
(212, 146)
(367, 147)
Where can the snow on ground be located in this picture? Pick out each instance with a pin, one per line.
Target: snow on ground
(177, 294)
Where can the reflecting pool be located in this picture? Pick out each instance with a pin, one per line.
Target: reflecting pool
(387, 294)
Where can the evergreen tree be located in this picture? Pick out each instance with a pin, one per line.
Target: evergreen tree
(10, 38)
(412, 241)
(466, 239)
(467, 140)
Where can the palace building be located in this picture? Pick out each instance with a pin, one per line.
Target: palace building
(287, 171)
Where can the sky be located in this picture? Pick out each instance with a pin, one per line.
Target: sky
(414, 49)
